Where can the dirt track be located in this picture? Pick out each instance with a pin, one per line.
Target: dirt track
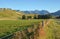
(42, 33)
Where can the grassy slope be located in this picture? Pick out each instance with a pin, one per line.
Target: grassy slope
(9, 14)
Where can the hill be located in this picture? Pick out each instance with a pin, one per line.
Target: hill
(57, 13)
(6, 13)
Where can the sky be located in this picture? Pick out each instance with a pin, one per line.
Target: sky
(50, 5)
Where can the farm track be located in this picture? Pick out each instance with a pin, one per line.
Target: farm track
(42, 33)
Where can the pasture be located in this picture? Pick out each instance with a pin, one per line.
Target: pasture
(10, 26)
(52, 30)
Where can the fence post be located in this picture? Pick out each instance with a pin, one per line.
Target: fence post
(43, 24)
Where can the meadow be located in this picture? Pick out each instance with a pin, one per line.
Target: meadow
(52, 30)
(10, 26)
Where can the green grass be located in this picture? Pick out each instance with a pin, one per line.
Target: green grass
(53, 30)
(10, 26)
(10, 14)
(57, 29)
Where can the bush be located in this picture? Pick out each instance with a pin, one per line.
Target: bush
(29, 17)
(35, 17)
(58, 17)
(23, 17)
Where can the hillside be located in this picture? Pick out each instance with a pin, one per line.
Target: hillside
(9, 14)
(57, 13)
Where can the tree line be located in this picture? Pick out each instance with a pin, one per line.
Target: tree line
(37, 17)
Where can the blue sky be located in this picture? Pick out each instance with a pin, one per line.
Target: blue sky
(50, 5)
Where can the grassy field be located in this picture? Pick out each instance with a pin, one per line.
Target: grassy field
(53, 30)
(10, 26)
(57, 29)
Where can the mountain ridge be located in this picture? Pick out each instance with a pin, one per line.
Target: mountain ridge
(42, 12)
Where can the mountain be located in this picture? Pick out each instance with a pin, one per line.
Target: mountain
(57, 13)
(6, 13)
(42, 12)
